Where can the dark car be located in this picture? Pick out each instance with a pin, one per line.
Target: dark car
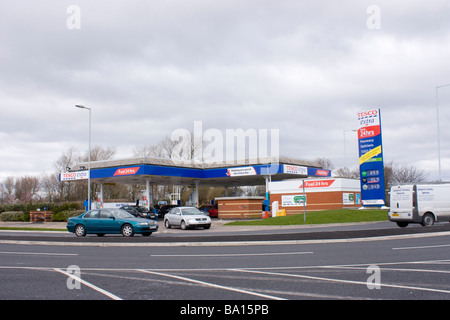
(139, 212)
(165, 209)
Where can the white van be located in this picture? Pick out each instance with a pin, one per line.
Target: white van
(419, 203)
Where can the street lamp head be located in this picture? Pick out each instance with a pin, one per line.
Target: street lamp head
(89, 175)
(82, 107)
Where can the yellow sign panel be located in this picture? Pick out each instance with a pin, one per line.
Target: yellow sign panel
(370, 154)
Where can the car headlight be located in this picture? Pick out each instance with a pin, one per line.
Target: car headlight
(150, 223)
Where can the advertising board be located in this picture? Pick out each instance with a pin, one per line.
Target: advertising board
(291, 169)
(371, 168)
(295, 200)
(241, 171)
(77, 175)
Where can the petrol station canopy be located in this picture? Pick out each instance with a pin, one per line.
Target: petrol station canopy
(161, 171)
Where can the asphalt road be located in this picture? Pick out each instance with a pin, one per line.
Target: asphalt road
(227, 234)
(352, 262)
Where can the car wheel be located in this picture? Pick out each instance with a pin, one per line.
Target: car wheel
(183, 225)
(207, 226)
(100, 234)
(127, 230)
(80, 230)
(428, 220)
(167, 224)
(402, 224)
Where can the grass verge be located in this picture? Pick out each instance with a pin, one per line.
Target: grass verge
(319, 217)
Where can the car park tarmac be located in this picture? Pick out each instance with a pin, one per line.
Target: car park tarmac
(231, 263)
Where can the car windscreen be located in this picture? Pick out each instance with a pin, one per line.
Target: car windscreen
(191, 211)
(141, 209)
(121, 214)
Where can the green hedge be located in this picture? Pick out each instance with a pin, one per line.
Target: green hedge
(12, 216)
(64, 215)
(53, 207)
(21, 211)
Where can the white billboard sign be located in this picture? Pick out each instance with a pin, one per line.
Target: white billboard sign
(77, 175)
(241, 171)
(295, 169)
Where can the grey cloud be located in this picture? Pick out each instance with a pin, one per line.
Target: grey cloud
(147, 68)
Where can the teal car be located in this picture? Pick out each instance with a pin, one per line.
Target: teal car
(111, 221)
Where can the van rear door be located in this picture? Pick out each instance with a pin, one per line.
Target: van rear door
(401, 203)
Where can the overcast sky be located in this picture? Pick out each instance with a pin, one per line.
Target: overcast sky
(147, 68)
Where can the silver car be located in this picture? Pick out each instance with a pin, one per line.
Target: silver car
(186, 217)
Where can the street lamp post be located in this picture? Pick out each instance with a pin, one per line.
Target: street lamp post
(89, 168)
(345, 147)
(438, 131)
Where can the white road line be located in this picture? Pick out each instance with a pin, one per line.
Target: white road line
(40, 253)
(212, 285)
(390, 269)
(422, 247)
(90, 285)
(231, 254)
(341, 281)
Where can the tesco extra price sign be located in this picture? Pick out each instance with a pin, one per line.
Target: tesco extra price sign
(371, 168)
(77, 175)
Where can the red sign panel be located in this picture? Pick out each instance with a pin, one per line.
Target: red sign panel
(318, 184)
(368, 132)
(126, 171)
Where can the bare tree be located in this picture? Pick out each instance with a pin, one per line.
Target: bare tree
(347, 173)
(8, 191)
(9, 186)
(26, 188)
(408, 174)
(50, 185)
(324, 163)
(161, 150)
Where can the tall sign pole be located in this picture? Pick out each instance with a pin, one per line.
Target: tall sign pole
(371, 167)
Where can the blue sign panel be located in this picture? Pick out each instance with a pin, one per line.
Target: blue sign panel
(371, 167)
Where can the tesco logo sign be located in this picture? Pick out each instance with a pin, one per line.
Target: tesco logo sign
(370, 113)
(77, 175)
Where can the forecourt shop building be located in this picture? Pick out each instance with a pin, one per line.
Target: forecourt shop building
(294, 195)
(157, 171)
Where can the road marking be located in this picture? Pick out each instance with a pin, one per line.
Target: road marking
(339, 280)
(90, 285)
(422, 247)
(212, 285)
(389, 269)
(231, 254)
(40, 253)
